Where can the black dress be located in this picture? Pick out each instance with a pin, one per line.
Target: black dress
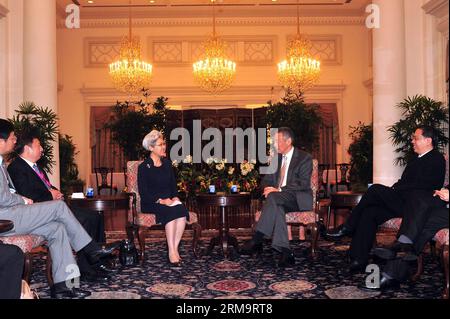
(155, 183)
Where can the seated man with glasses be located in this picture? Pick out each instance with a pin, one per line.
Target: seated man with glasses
(421, 177)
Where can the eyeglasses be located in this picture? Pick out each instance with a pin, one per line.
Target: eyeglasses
(416, 138)
(162, 144)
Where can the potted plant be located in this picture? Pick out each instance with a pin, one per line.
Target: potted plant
(70, 182)
(418, 110)
(133, 120)
(43, 121)
(294, 113)
(361, 153)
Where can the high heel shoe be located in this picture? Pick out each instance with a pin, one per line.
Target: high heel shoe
(173, 263)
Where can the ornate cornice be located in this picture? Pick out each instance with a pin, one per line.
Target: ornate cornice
(437, 8)
(192, 97)
(170, 22)
(3, 11)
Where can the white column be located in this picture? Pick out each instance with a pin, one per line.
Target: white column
(3, 56)
(14, 67)
(389, 86)
(39, 61)
(415, 42)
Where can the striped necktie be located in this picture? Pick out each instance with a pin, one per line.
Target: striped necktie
(282, 171)
(42, 176)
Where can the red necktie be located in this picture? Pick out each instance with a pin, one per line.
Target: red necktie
(42, 176)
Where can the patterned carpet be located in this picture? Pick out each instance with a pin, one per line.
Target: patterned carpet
(211, 277)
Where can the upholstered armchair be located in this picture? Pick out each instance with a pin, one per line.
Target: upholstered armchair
(139, 223)
(28, 243)
(308, 219)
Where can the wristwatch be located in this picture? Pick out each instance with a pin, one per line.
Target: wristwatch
(158, 201)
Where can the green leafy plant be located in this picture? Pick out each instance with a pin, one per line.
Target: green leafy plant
(418, 110)
(44, 122)
(133, 120)
(70, 182)
(361, 152)
(294, 113)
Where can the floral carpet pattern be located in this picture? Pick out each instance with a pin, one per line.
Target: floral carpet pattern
(212, 277)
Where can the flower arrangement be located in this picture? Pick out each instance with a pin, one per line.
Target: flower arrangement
(194, 178)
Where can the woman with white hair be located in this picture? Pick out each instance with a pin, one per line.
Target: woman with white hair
(158, 191)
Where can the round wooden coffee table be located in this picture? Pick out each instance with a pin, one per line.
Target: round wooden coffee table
(344, 200)
(6, 225)
(223, 200)
(103, 203)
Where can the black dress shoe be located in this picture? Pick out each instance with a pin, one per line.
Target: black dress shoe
(251, 247)
(286, 260)
(385, 284)
(391, 252)
(60, 290)
(338, 233)
(103, 268)
(95, 276)
(112, 246)
(95, 255)
(356, 267)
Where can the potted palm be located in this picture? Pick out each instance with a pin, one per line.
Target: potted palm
(418, 110)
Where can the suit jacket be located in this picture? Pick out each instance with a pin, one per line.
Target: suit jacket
(27, 182)
(7, 199)
(424, 173)
(298, 178)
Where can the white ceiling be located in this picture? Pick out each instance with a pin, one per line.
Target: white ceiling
(107, 9)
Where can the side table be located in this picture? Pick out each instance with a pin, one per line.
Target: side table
(226, 200)
(346, 199)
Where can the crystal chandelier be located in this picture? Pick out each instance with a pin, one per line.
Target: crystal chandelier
(300, 71)
(129, 74)
(214, 73)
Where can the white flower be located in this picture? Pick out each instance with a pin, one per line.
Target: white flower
(216, 160)
(231, 170)
(209, 160)
(188, 159)
(175, 163)
(220, 166)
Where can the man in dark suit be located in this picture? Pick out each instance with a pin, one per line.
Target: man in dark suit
(399, 269)
(380, 203)
(52, 220)
(288, 189)
(32, 182)
(11, 268)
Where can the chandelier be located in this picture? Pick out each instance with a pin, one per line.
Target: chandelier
(214, 73)
(130, 74)
(300, 71)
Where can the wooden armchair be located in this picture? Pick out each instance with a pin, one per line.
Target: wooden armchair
(308, 219)
(28, 243)
(139, 223)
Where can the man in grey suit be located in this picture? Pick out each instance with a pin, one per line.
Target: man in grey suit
(286, 190)
(52, 220)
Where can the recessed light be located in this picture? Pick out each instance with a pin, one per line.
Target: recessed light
(90, 1)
